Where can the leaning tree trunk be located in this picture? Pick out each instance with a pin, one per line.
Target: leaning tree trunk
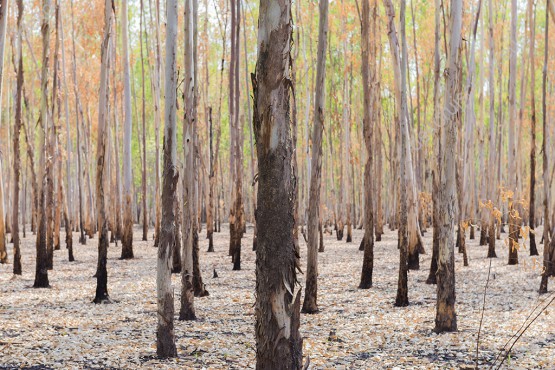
(165, 335)
(104, 95)
(127, 237)
(446, 318)
(367, 243)
(310, 304)
(278, 341)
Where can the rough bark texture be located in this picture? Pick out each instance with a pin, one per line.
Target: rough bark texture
(3, 22)
(532, 206)
(446, 318)
(310, 303)
(165, 335)
(278, 341)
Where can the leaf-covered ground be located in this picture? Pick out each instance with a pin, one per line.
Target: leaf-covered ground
(60, 327)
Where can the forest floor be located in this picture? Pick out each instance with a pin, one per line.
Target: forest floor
(60, 327)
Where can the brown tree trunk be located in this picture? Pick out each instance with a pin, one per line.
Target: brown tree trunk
(367, 243)
(310, 304)
(532, 206)
(278, 341)
(104, 96)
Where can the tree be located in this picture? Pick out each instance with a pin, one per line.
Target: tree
(16, 150)
(41, 271)
(514, 219)
(127, 237)
(368, 239)
(310, 304)
(187, 310)
(532, 208)
(446, 318)
(103, 97)
(165, 336)
(3, 22)
(278, 341)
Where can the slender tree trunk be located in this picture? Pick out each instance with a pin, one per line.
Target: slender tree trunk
(532, 206)
(446, 318)
(17, 270)
(165, 335)
(548, 246)
(103, 98)
(143, 119)
(187, 310)
(491, 165)
(3, 22)
(278, 341)
(437, 132)
(368, 240)
(310, 304)
(127, 237)
(514, 219)
(41, 271)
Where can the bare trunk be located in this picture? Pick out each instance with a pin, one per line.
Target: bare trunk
(310, 304)
(127, 236)
(104, 95)
(446, 318)
(278, 341)
(532, 206)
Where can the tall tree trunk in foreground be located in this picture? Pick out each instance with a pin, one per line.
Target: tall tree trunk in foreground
(532, 208)
(165, 336)
(127, 237)
(310, 304)
(432, 278)
(3, 23)
(16, 150)
(187, 310)
(104, 95)
(41, 271)
(278, 341)
(368, 239)
(446, 318)
(514, 219)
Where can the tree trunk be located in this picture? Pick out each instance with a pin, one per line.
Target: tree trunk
(143, 119)
(278, 341)
(548, 246)
(310, 304)
(17, 270)
(187, 310)
(165, 336)
(446, 318)
(127, 237)
(367, 243)
(437, 152)
(104, 95)
(3, 23)
(514, 219)
(41, 272)
(532, 208)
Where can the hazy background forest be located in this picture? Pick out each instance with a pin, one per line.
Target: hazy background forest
(138, 145)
